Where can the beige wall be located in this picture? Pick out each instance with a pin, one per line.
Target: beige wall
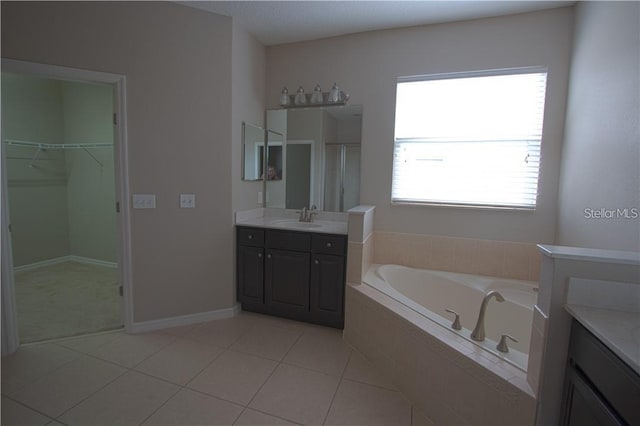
(177, 61)
(601, 156)
(248, 104)
(367, 65)
(88, 111)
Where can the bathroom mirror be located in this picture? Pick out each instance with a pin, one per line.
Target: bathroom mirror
(320, 157)
(252, 152)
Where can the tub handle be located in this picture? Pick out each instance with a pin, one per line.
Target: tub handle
(502, 345)
(456, 322)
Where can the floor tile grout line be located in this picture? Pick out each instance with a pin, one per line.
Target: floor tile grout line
(333, 398)
(186, 386)
(269, 414)
(162, 405)
(29, 407)
(126, 369)
(215, 358)
(360, 382)
(90, 395)
(271, 374)
(48, 373)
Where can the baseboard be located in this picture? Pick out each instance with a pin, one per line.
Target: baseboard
(68, 258)
(142, 327)
(91, 261)
(40, 264)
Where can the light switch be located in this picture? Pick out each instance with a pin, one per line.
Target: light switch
(187, 201)
(144, 201)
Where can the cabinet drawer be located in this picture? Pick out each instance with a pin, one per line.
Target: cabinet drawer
(250, 237)
(288, 240)
(328, 244)
(613, 378)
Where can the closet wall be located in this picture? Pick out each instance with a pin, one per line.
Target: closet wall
(61, 203)
(88, 112)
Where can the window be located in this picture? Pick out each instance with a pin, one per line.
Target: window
(469, 139)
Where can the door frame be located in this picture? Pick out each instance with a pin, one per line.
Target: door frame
(121, 171)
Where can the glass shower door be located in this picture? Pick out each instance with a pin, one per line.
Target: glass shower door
(341, 177)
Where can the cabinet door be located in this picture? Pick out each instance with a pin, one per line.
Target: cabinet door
(251, 276)
(583, 406)
(287, 283)
(327, 290)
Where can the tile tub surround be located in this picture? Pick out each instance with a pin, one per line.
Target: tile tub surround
(360, 250)
(445, 377)
(502, 259)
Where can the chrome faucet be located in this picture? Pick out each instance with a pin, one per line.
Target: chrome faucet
(478, 331)
(306, 215)
(303, 214)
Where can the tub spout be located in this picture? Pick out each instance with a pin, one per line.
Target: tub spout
(478, 331)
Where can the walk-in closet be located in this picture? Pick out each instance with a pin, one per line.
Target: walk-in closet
(57, 143)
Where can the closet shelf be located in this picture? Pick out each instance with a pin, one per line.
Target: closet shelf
(57, 146)
(41, 145)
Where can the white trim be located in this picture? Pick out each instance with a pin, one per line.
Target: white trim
(145, 326)
(56, 146)
(90, 261)
(10, 338)
(121, 169)
(40, 264)
(61, 259)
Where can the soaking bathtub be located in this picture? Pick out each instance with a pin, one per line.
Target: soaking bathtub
(430, 293)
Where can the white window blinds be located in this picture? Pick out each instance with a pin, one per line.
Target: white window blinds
(469, 139)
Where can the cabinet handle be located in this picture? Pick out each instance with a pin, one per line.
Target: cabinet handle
(317, 262)
(269, 256)
(250, 237)
(329, 245)
(259, 255)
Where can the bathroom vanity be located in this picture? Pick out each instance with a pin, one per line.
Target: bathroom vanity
(600, 388)
(296, 274)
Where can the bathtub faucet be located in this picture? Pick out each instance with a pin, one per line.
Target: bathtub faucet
(478, 331)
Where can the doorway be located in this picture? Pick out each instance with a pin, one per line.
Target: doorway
(64, 181)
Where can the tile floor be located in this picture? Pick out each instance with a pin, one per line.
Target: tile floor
(247, 370)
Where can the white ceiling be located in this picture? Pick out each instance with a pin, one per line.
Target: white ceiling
(278, 22)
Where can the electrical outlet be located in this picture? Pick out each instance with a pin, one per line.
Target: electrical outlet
(187, 201)
(144, 201)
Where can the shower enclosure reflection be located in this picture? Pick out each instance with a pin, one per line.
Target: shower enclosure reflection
(320, 158)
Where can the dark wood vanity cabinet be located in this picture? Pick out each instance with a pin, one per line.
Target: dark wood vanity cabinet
(600, 389)
(292, 274)
(250, 268)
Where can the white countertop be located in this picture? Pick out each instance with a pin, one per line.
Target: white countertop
(618, 330)
(324, 222)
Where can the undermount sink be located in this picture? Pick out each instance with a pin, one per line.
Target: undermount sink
(297, 224)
